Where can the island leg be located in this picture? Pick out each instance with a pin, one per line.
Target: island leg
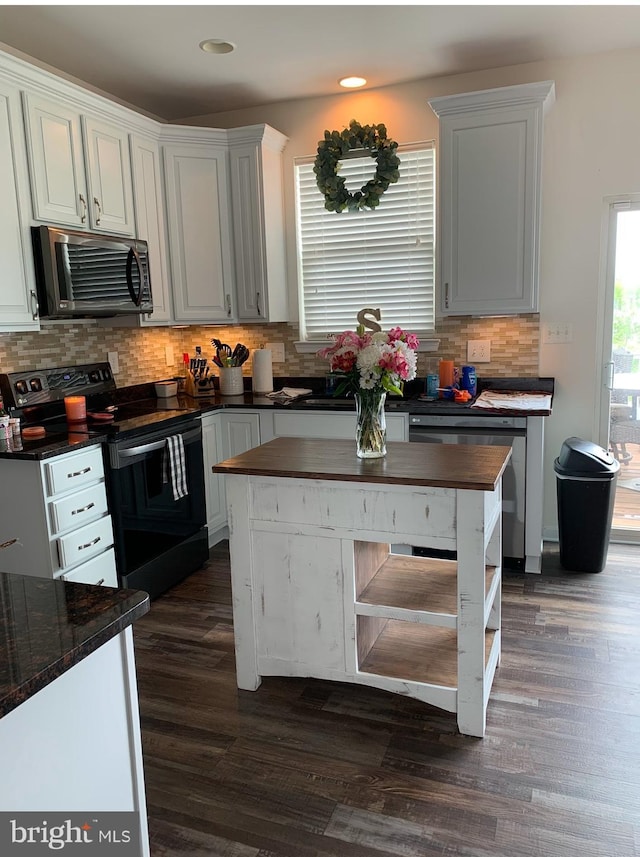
(242, 583)
(471, 707)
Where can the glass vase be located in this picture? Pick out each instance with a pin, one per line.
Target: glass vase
(371, 429)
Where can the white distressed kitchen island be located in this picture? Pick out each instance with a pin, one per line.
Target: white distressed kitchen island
(317, 591)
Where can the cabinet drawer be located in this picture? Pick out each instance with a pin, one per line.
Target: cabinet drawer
(74, 471)
(86, 542)
(78, 508)
(100, 571)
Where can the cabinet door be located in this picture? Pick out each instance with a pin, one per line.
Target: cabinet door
(258, 232)
(199, 234)
(18, 304)
(109, 170)
(150, 224)
(213, 482)
(54, 146)
(488, 205)
(241, 432)
(490, 212)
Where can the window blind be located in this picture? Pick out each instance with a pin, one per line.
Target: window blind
(372, 258)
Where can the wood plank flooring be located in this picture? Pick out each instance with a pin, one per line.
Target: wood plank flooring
(304, 768)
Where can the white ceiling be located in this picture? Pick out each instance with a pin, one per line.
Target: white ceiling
(148, 56)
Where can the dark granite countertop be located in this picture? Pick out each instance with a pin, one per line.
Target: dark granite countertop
(57, 444)
(48, 626)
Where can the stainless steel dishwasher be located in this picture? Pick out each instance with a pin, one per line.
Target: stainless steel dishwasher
(489, 431)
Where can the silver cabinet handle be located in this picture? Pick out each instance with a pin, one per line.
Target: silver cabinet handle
(97, 204)
(83, 217)
(446, 295)
(89, 544)
(8, 544)
(99, 582)
(228, 299)
(35, 307)
(79, 473)
(84, 509)
(258, 303)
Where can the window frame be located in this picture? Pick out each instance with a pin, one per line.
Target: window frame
(308, 344)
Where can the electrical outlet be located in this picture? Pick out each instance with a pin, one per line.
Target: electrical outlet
(277, 351)
(168, 355)
(479, 351)
(112, 357)
(557, 333)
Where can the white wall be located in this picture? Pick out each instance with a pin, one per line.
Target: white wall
(590, 152)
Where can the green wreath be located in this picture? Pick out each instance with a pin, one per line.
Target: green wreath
(335, 146)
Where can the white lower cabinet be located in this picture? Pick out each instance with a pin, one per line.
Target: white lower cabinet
(213, 482)
(332, 425)
(59, 517)
(224, 434)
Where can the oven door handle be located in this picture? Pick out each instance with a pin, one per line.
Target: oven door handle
(132, 451)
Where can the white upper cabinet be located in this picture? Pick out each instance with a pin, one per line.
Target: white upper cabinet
(490, 170)
(18, 303)
(93, 194)
(197, 195)
(255, 154)
(109, 171)
(150, 223)
(54, 143)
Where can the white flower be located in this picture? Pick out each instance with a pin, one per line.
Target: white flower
(368, 358)
(379, 337)
(368, 381)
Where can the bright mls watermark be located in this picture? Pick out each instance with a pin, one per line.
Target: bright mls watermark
(32, 834)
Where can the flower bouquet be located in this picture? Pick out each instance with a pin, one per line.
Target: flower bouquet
(372, 365)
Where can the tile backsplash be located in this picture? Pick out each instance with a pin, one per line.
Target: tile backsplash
(142, 353)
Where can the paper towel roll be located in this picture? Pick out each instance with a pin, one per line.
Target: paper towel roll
(262, 371)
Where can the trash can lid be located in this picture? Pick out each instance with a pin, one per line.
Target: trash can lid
(582, 458)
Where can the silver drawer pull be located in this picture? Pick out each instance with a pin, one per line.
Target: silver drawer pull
(84, 509)
(89, 544)
(79, 473)
(99, 582)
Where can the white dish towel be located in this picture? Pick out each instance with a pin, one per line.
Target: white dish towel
(287, 393)
(174, 468)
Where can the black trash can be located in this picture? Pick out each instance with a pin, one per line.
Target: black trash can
(586, 484)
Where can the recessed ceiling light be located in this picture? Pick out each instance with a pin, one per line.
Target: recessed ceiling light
(216, 46)
(352, 82)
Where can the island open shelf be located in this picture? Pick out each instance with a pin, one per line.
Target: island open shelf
(317, 590)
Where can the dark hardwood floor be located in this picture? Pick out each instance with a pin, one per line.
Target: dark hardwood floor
(305, 768)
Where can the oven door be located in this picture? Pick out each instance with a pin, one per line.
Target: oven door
(158, 539)
(513, 480)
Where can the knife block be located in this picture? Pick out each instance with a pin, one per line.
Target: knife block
(199, 388)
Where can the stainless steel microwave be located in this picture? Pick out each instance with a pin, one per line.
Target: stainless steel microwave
(84, 275)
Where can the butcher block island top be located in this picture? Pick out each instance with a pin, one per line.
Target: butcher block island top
(477, 468)
(318, 589)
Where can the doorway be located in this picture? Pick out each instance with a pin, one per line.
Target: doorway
(620, 426)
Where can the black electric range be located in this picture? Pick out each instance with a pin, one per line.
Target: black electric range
(37, 398)
(155, 489)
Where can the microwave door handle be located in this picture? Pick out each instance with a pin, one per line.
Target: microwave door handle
(133, 254)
